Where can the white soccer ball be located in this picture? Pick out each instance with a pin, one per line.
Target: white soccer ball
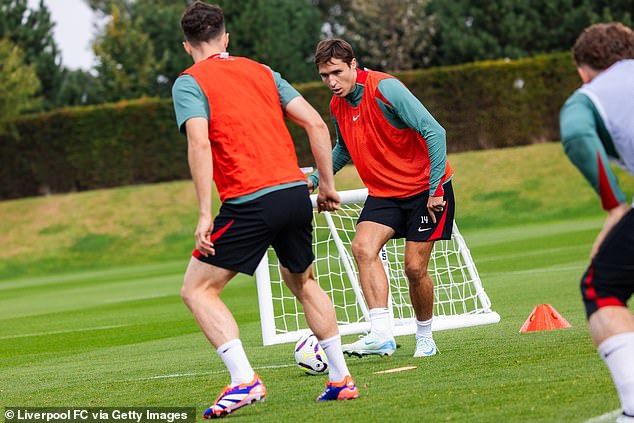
(309, 355)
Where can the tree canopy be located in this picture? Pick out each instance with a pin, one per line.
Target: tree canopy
(32, 31)
(18, 84)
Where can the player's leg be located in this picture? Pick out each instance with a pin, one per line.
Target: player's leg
(293, 245)
(201, 293)
(321, 318)
(369, 238)
(421, 292)
(422, 232)
(318, 309)
(606, 287)
(240, 239)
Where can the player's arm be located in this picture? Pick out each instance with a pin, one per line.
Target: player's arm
(302, 113)
(192, 117)
(200, 165)
(583, 146)
(402, 103)
(340, 158)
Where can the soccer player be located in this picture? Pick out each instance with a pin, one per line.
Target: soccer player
(232, 111)
(597, 124)
(399, 151)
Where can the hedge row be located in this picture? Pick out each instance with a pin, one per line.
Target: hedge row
(481, 105)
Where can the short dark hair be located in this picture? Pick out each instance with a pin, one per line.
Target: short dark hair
(333, 48)
(601, 45)
(202, 22)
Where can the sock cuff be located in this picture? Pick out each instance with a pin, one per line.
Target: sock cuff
(424, 322)
(327, 342)
(606, 347)
(227, 345)
(379, 311)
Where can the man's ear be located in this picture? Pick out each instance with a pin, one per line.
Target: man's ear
(187, 47)
(586, 73)
(226, 40)
(353, 63)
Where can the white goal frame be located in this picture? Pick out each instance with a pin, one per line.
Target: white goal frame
(481, 315)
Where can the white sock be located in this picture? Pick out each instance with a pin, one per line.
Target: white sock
(234, 357)
(337, 367)
(423, 328)
(618, 353)
(381, 323)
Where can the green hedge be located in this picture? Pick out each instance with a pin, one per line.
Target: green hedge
(481, 105)
(83, 148)
(488, 104)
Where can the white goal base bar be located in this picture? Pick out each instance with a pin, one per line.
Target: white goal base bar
(459, 298)
(406, 328)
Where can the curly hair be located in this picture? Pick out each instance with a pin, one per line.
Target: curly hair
(202, 22)
(601, 45)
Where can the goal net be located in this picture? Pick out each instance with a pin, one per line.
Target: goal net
(459, 298)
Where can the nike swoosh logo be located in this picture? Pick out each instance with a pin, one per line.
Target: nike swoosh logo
(423, 230)
(355, 118)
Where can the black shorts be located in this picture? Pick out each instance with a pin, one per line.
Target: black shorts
(243, 232)
(409, 217)
(609, 280)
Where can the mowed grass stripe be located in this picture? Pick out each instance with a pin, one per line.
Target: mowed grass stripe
(123, 273)
(489, 373)
(85, 293)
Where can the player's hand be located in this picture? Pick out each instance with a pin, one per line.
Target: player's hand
(311, 186)
(202, 236)
(328, 199)
(435, 205)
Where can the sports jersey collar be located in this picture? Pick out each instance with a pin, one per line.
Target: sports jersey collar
(362, 75)
(222, 55)
(354, 97)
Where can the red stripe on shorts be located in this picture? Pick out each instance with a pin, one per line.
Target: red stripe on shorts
(441, 225)
(609, 301)
(213, 237)
(221, 231)
(591, 293)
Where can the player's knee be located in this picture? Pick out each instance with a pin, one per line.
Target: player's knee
(415, 272)
(187, 295)
(362, 251)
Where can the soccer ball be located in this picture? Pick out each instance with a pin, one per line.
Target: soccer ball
(309, 355)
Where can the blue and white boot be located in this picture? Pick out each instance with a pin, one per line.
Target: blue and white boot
(370, 345)
(425, 347)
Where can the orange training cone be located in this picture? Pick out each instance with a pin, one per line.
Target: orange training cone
(544, 317)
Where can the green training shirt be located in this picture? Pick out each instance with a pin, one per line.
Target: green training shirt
(589, 146)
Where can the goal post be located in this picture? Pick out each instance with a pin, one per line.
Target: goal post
(459, 297)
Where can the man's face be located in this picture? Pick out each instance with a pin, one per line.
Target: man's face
(339, 76)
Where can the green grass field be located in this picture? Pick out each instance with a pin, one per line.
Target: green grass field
(90, 313)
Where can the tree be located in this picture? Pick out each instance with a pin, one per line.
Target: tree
(79, 88)
(391, 34)
(280, 33)
(160, 21)
(127, 68)
(18, 84)
(472, 30)
(32, 31)
(334, 15)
